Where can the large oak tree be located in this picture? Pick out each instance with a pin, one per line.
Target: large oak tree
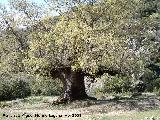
(86, 38)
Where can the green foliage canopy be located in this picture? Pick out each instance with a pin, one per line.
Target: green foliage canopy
(116, 34)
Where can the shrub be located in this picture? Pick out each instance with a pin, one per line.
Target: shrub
(21, 85)
(156, 85)
(115, 84)
(46, 86)
(13, 87)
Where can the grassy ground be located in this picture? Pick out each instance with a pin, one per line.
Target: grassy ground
(144, 107)
(133, 115)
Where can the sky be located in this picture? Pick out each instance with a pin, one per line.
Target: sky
(3, 1)
(37, 1)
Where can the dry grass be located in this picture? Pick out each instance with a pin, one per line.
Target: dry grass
(120, 108)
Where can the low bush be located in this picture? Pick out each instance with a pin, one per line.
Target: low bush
(156, 85)
(23, 85)
(115, 84)
(13, 87)
(46, 86)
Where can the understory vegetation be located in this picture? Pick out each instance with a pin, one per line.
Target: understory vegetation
(23, 85)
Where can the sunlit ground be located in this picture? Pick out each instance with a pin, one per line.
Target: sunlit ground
(145, 107)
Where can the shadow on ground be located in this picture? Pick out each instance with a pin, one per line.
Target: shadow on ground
(141, 102)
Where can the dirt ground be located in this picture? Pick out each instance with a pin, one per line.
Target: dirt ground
(110, 106)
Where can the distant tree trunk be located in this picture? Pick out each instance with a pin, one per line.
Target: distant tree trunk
(73, 84)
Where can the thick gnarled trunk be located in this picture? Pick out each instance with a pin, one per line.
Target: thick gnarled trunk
(74, 88)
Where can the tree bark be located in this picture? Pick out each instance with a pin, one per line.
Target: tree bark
(74, 87)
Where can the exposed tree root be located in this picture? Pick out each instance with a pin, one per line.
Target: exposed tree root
(65, 100)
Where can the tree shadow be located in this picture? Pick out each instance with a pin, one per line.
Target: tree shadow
(135, 102)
